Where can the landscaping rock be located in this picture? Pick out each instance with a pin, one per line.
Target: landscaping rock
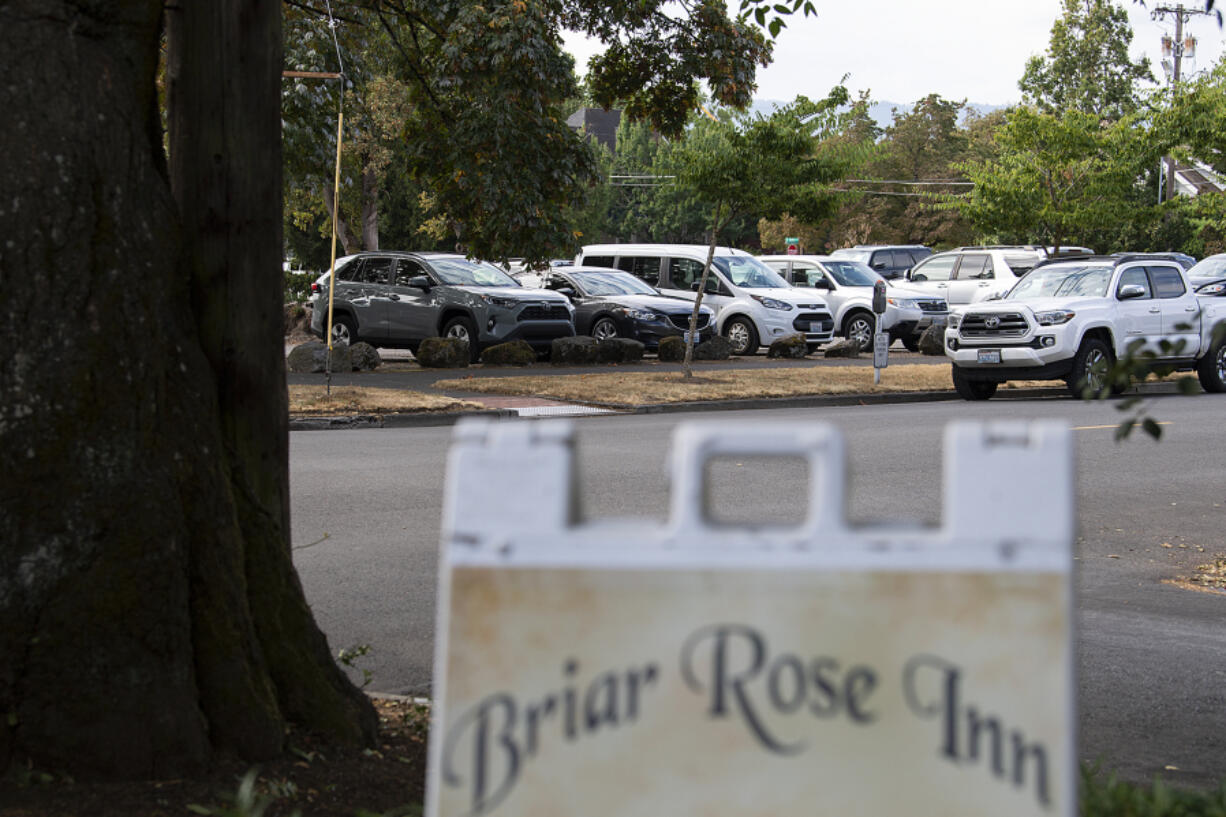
(672, 350)
(792, 346)
(619, 350)
(576, 351)
(512, 353)
(932, 342)
(298, 322)
(717, 348)
(443, 353)
(842, 348)
(364, 357)
(312, 357)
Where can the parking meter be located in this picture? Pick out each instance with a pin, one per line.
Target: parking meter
(879, 297)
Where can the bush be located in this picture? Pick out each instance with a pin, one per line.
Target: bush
(512, 353)
(298, 286)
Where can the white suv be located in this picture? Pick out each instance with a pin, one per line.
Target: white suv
(753, 305)
(969, 275)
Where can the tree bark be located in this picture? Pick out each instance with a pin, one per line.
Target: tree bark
(150, 614)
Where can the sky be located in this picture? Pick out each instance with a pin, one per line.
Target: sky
(903, 50)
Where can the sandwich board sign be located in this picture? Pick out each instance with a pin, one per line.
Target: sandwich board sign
(696, 668)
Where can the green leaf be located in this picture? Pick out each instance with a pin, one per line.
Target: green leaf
(1150, 426)
(1124, 429)
(1188, 386)
(196, 808)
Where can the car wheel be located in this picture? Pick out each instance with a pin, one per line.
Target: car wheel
(344, 330)
(741, 336)
(464, 329)
(859, 327)
(911, 344)
(604, 329)
(969, 389)
(1211, 370)
(1090, 367)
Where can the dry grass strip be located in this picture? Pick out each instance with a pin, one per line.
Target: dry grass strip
(313, 400)
(646, 388)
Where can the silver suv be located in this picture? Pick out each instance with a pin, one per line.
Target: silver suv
(400, 299)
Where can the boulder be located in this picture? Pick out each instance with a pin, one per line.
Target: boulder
(575, 351)
(298, 322)
(672, 349)
(364, 357)
(312, 357)
(717, 348)
(511, 353)
(792, 346)
(443, 353)
(843, 347)
(932, 342)
(619, 350)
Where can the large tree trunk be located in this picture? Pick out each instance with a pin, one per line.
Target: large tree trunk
(149, 611)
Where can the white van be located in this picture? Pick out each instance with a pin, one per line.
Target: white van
(753, 305)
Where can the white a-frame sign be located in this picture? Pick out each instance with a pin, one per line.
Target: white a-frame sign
(700, 669)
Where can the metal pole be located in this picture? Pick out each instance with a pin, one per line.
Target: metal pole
(336, 206)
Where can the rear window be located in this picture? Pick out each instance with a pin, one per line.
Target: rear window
(1168, 283)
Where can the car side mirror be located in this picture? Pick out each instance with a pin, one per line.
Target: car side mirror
(1130, 291)
(420, 282)
(568, 292)
(920, 277)
(907, 275)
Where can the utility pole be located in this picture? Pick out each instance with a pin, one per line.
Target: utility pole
(1175, 49)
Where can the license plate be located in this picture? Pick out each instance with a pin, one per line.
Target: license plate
(989, 356)
(686, 335)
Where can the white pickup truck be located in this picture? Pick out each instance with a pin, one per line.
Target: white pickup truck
(1070, 319)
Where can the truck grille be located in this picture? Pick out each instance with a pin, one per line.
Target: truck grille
(933, 306)
(994, 325)
(543, 313)
(682, 320)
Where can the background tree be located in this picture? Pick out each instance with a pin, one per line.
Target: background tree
(150, 614)
(1087, 67)
(1058, 179)
(767, 165)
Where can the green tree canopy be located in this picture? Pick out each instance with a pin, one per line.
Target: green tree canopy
(1087, 67)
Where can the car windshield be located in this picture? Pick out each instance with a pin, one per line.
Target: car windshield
(747, 271)
(1213, 267)
(611, 283)
(463, 273)
(1063, 281)
(851, 273)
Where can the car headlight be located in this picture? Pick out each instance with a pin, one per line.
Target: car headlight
(638, 314)
(500, 302)
(1054, 317)
(953, 320)
(903, 303)
(1212, 289)
(771, 303)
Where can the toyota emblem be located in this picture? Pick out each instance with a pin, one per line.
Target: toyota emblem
(991, 322)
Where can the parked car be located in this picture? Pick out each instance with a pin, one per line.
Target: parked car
(1212, 286)
(890, 261)
(613, 304)
(1209, 268)
(753, 305)
(400, 299)
(1068, 319)
(972, 274)
(1181, 258)
(847, 286)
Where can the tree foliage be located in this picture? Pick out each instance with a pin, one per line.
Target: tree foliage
(1087, 67)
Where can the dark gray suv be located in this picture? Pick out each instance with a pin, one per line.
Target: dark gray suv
(402, 298)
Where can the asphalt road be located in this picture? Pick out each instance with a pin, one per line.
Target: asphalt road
(1151, 656)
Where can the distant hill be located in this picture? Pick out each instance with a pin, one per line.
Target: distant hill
(881, 112)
